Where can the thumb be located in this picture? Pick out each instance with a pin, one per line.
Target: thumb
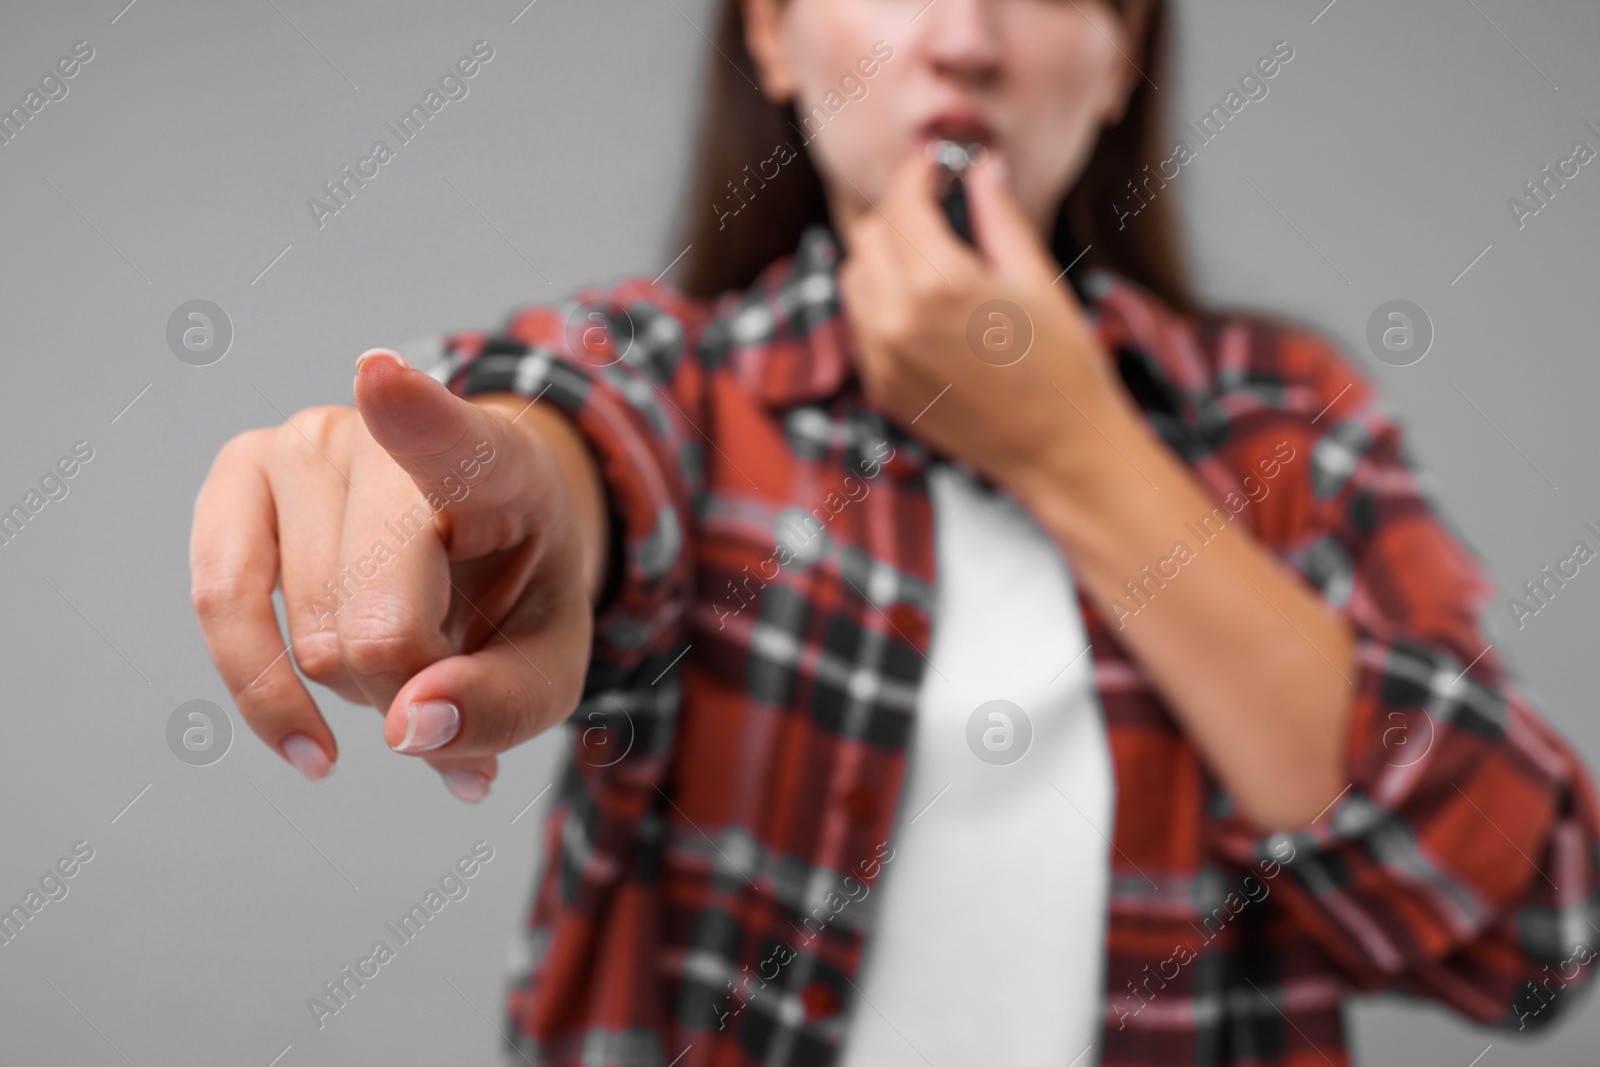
(465, 458)
(1003, 231)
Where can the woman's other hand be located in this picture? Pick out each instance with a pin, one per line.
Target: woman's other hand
(983, 353)
(438, 560)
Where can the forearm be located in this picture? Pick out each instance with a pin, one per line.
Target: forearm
(1254, 665)
(579, 471)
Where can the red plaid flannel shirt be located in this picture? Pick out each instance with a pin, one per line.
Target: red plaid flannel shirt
(741, 747)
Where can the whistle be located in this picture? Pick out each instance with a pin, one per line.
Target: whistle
(953, 159)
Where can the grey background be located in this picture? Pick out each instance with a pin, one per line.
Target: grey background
(181, 161)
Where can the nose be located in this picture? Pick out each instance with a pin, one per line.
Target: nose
(961, 38)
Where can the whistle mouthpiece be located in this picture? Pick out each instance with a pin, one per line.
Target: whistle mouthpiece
(954, 159)
(955, 156)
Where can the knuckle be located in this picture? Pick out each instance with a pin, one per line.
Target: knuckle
(318, 654)
(924, 286)
(896, 323)
(215, 591)
(323, 422)
(494, 531)
(243, 446)
(369, 654)
(378, 636)
(308, 435)
(265, 697)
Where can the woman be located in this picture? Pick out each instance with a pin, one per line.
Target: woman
(976, 651)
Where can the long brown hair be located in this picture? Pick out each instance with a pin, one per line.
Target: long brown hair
(740, 127)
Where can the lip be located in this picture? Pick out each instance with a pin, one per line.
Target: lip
(956, 123)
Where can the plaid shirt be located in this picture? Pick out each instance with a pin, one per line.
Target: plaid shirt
(739, 756)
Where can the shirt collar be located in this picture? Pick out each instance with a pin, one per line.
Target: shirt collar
(787, 339)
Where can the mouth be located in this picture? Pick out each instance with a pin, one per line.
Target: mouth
(963, 125)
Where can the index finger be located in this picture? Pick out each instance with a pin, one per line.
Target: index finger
(912, 210)
(469, 461)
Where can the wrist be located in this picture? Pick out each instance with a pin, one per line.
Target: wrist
(553, 434)
(1082, 458)
(1107, 476)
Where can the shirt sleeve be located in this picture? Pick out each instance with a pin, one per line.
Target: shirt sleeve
(1460, 861)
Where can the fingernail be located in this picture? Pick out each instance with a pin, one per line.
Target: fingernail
(470, 786)
(429, 725)
(307, 756)
(391, 353)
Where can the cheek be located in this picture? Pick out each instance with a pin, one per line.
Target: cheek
(859, 138)
(825, 39)
(1062, 70)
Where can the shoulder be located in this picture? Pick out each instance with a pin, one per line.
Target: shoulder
(647, 322)
(652, 325)
(1244, 364)
(1273, 414)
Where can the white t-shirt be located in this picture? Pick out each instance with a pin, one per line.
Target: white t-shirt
(989, 942)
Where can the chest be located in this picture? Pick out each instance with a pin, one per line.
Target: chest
(816, 571)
